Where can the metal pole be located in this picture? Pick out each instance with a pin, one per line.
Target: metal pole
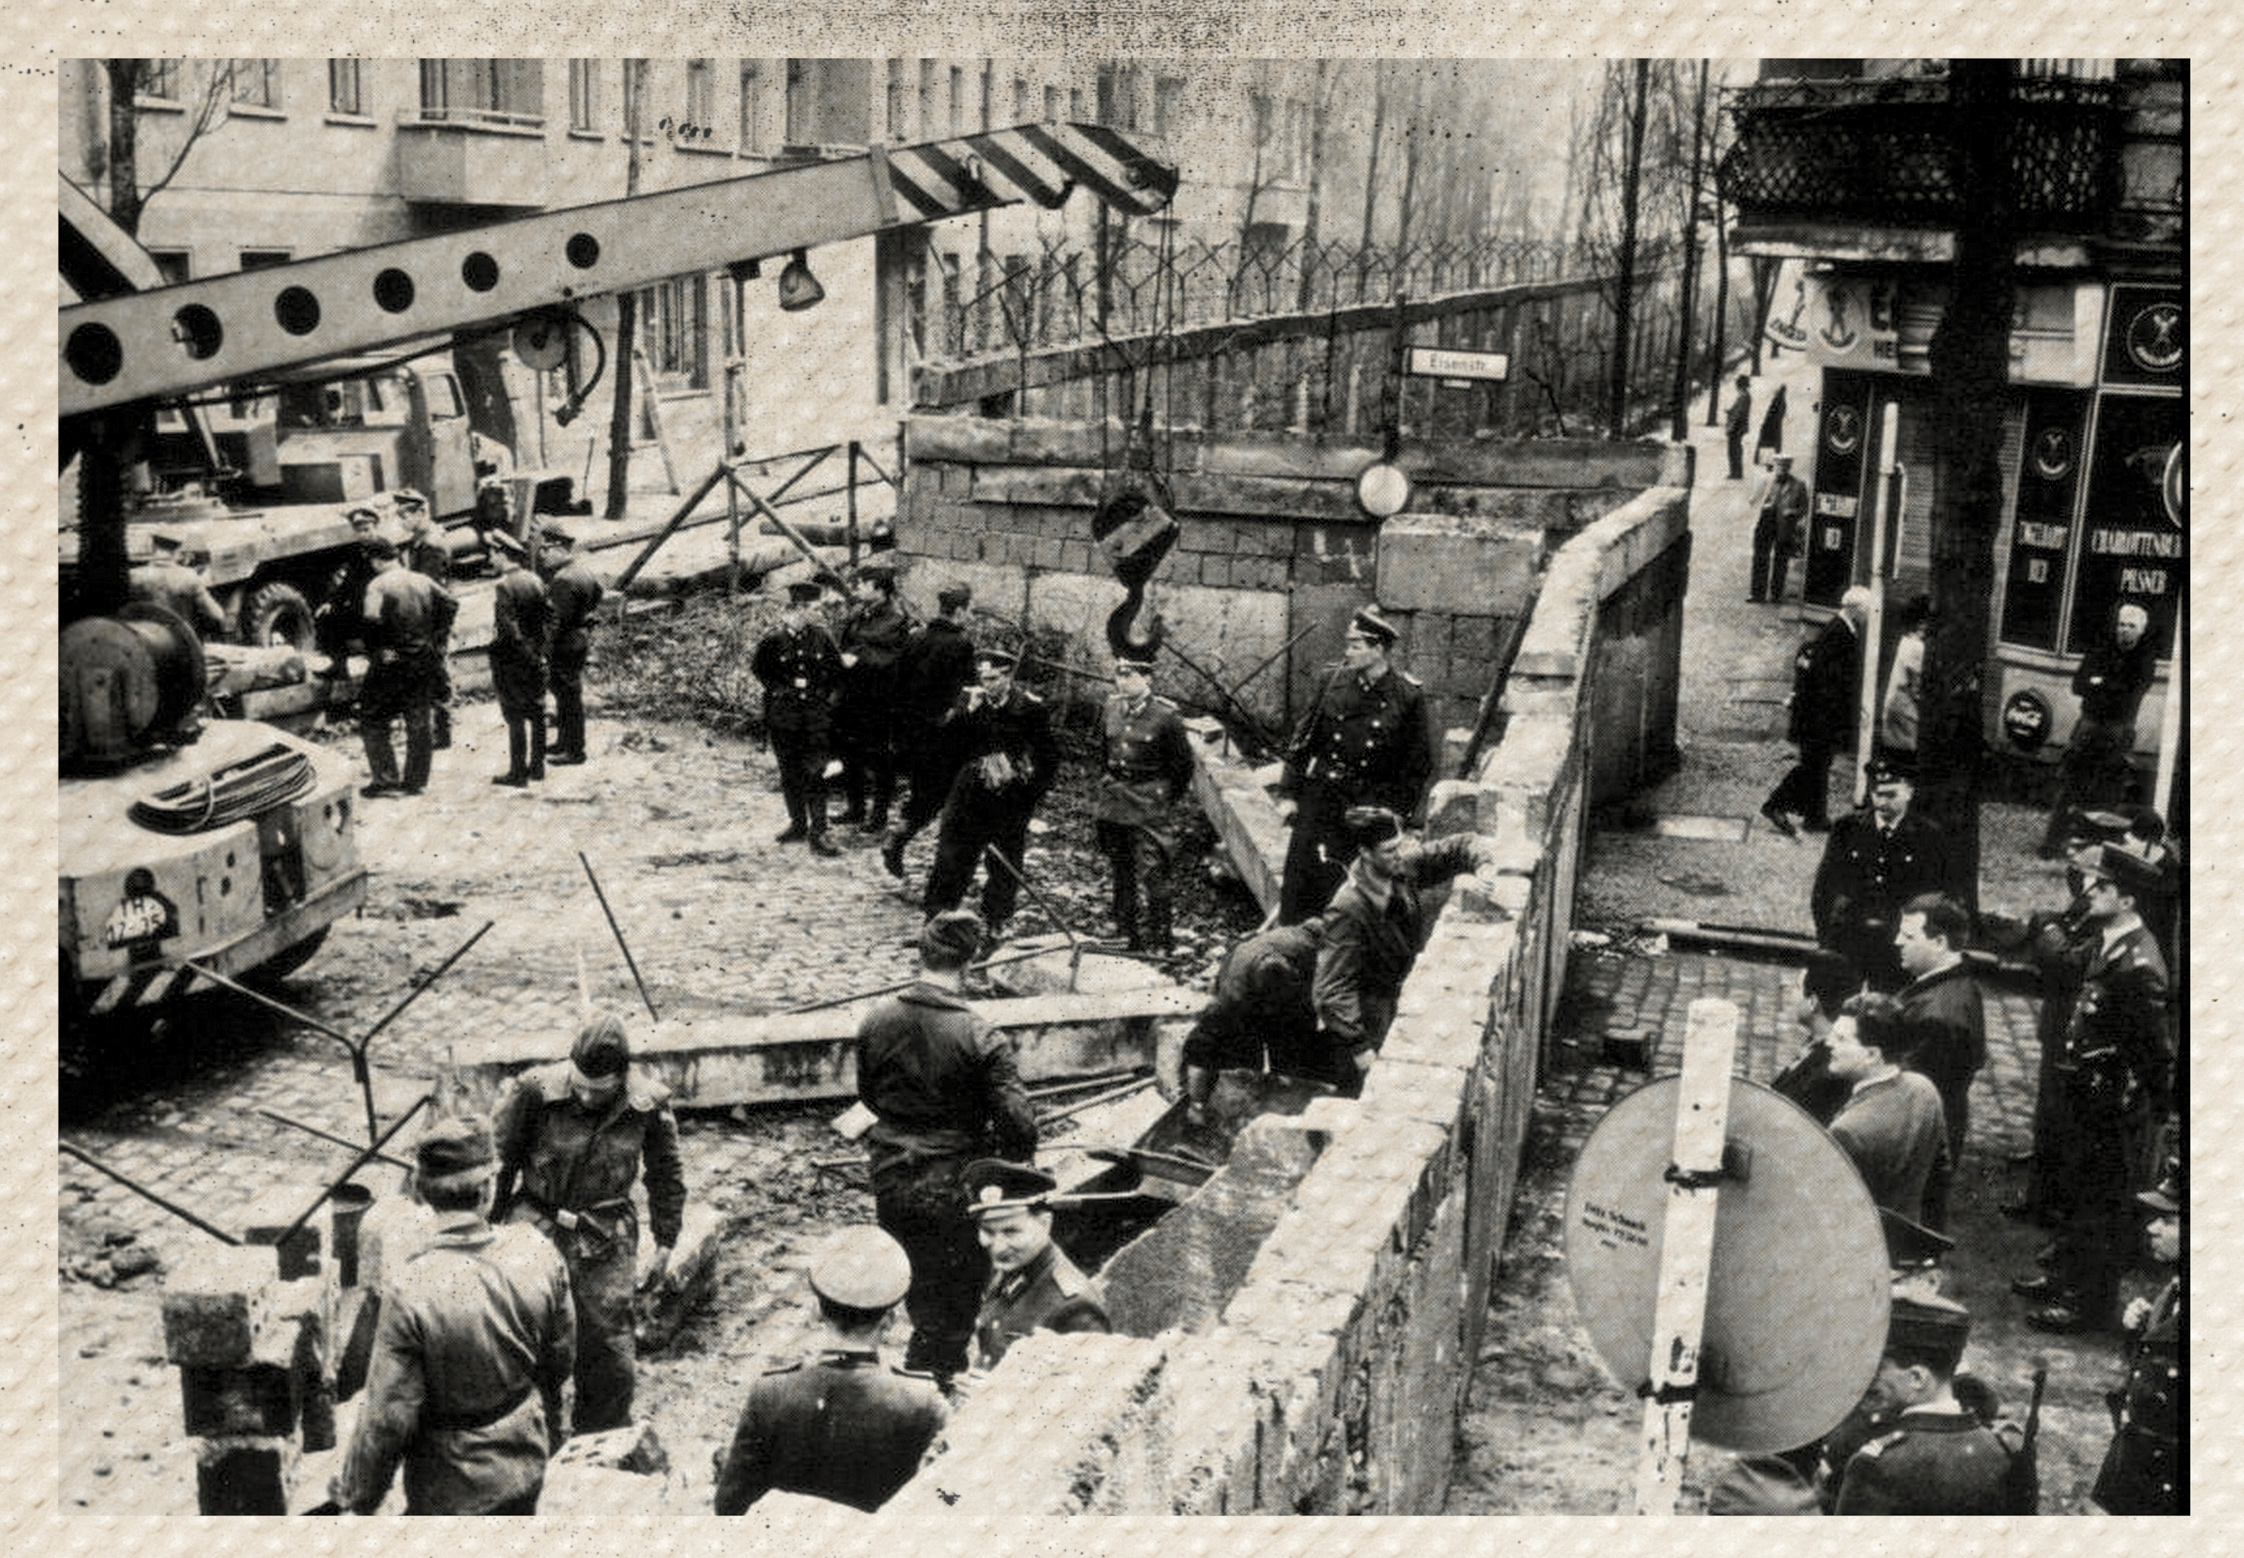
(905, 984)
(340, 1141)
(629, 961)
(1883, 516)
(2170, 719)
(146, 1194)
(1074, 942)
(692, 502)
(366, 1156)
(267, 1001)
(420, 989)
(853, 503)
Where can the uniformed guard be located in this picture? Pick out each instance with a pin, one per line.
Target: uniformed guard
(408, 621)
(1033, 1286)
(340, 622)
(2144, 1471)
(937, 665)
(872, 641)
(1366, 743)
(1876, 860)
(839, 1425)
(572, 1138)
(574, 593)
(476, 1340)
(801, 672)
(519, 612)
(1148, 768)
(1003, 734)
(1937, 1457)
(423, 550)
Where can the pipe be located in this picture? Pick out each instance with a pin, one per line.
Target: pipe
(146, 1194)
(629, 961)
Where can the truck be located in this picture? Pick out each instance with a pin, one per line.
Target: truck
(227, 848)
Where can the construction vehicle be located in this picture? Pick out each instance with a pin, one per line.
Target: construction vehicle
(228, 846)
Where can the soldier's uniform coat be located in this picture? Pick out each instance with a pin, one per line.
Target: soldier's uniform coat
(1367, 743)
(1048, 1294)
(841, 1426)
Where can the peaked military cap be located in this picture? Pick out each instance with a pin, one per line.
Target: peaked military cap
(2126, 870)
(1934, 1323)
(861, 1268)
(1373, 626)
(993, 1185)
(1371, 826)
(996, 654)
(1890, 769)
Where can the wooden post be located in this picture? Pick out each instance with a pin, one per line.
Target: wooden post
(1686, 1253)
(732, 531)
(853, 503)
(654, 416)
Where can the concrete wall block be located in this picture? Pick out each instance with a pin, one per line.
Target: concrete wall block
(245, 1476)
(1258, 573)
(1047, 553)
(216, 1304)
(1217, 1419)
(1457, 565)
(1418, 1376)
(956, 438)
(270, 1215)
(1453, 805)
(258, 1398)
(1408, 1089)
(1215, 570)
(957, 481)
(1075, 556)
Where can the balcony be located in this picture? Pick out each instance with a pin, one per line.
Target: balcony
(1880, 160)
(472, 158)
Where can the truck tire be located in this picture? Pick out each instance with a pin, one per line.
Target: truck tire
(289, 961)
(274, 615)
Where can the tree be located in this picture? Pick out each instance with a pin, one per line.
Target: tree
(624, 366)
(128, 78)
(1321, 94)
(1970, 362)
(1679, 415)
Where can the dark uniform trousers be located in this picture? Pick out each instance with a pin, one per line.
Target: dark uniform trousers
(1259, 1007)
(1148, 766)
(865, 722)
(979, 814)
(841, 1426)
(2142, 1472)
(2061, 954)
(935, 668)
(574, 595)
(517, 656)
(429, 558)
(1365, 744)
(556, 1157)
(409, 616)
(801, 672)
(1048, 1294)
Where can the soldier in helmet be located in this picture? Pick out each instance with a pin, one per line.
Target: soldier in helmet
(839, 1425)
(572, 1138)
(1033, 1286)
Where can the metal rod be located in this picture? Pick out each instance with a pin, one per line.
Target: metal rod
(802, 545)
(1074, 942)
(853, 503)
(340, 1141)
(180, 1212)
(1098, 1079)
(629, 961)
(904, 984)
(1253, 722)
(268, 1002)
(366, 1155)
(1070, 1111)
(416, 992)
(1274, 656)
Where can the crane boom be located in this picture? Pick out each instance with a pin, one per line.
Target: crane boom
(195, 335)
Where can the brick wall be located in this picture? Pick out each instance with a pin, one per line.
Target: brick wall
(1273, 551)
(1332, 1379)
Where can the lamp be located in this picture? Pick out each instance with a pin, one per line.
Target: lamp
(798, 288)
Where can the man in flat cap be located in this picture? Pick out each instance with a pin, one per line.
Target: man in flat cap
(944, 1090)
(937, 666)
(573, 594)
(408, 623)
(1876, 860)
(476, 1339)
(2116, 1073)
(1938, 1458)
(1374, 929)
(840, 1424)
(572, 1139)
(1260, 1011)
(1366, 743)
(1147, 768)
(1003, 735)
(801, 672)
(872, 641)
(2145, 1472)
(1033, 1285)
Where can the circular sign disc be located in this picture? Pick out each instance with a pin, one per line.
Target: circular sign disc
(1382, 491)
(1799, 1286)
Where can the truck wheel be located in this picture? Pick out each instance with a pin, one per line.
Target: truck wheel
(288, 962)
(277, 616)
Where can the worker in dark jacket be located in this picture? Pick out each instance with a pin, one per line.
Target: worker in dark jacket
(801, 672)
(519, 627)
(943, 1090)
(1945, 1020)
(840, 1425)
(1736, 423)
(873, 638)
(173, 579)
(937, 665)
(1374, 929)
(1366, 743)
(339, 623)
(475, 1341)
(1147, 768)
(1938, 1457)
(1826, 678)
(1009, 759)
(1259, 1009)
(574, 592)
(2145, 1471)
(573, 1136)
(1876, 860)
(1033, 1286)
(408, 619)
(2112, 679)
(423, 550)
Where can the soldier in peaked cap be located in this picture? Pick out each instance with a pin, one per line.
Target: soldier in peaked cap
(1366, 743)
(801, 672)
(572, 1138)
(2144, 1471)
(1937, 1457)
(475, 1341)
(1002, 733)
(838, 1425)
(872, 639)
(1033, 1285)
(1148, 766)
(1876, 860)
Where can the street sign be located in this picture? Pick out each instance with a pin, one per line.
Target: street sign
(1437, 363)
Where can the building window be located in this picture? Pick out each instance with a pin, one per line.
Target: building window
(1075, 104)
(928, 122)
(159, 79)
(1118, 97)
(958, 99)
(752, 106)
(584, 95)
(1168, 104)
(257, 83)
(260, 259)
(701, 98)
(896, 104)
(1052, 103)
(492, 91)
(344, 95)
(1020, 99)
(674, 332)
(171, 264)
(798, 103)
